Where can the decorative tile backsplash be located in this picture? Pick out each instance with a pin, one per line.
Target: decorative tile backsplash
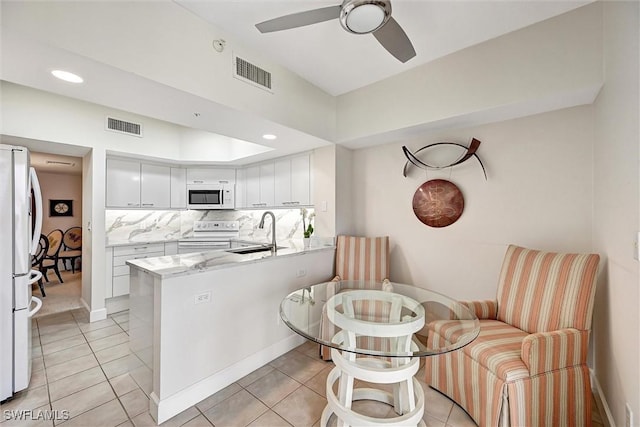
(147, 226)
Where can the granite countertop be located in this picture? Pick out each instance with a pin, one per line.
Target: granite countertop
(194, 263)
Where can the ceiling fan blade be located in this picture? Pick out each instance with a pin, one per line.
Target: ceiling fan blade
(393, 38)
(299, 19)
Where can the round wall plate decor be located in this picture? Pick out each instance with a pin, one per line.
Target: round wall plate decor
(438, 203)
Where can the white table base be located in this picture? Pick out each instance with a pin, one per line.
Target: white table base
(407, 398)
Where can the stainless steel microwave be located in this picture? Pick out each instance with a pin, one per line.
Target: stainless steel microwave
(211, 196)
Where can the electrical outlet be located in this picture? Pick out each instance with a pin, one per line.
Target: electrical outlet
(628, 415)
(203, 297)
(301, 272)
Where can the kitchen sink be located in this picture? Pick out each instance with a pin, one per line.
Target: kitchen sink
(252, 249)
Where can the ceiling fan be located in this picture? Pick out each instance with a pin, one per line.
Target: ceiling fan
(357, 17)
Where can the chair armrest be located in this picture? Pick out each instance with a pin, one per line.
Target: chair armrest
(485, 309)
(548, 351)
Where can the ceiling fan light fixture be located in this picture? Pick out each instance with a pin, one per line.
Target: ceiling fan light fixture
(364, 16)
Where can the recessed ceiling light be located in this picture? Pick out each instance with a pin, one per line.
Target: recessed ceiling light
(269, 136)
(67, 76)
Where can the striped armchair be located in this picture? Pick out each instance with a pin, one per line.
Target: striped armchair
(364, 259)
(528, 366)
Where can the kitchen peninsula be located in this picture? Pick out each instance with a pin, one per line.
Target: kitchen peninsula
(201, 321)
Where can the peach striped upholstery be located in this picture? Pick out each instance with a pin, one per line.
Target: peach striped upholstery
(361, 259)
(531, 372)
(544, 291)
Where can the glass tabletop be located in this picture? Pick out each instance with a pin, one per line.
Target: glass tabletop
(379, 319)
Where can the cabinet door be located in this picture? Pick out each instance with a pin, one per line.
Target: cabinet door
(123, 183)
(300, 180)
(211, 176)
(155, 186)
(282, 182)
(178, 188)
(252, 186)
(267, 184)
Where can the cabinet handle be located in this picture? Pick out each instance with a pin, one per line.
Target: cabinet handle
(132, 204)
(198, 182)
(147, 204)
(140, 248)
(295, 203)
(223, 182)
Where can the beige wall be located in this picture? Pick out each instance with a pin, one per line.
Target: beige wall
(616, 215)
(61, 186)
(538, 194)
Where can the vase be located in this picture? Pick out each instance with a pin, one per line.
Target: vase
(306, 241)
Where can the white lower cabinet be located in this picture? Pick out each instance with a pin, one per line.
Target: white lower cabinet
(117, 270)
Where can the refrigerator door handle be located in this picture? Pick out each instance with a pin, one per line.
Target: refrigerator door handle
(36, 276)
(35, 184)
(38, 302)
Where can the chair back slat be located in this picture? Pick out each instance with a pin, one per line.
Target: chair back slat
(545, 291)
(362, 258)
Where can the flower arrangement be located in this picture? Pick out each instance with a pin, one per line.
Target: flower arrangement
(307, 229)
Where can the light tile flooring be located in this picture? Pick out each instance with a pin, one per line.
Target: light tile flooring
(82, 368)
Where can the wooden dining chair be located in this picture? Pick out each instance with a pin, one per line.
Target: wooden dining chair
(72, 247)
(50, 261)
(38, 258)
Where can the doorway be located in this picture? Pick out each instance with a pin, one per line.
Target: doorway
(60, 179)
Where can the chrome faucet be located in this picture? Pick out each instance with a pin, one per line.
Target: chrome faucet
(273, 229)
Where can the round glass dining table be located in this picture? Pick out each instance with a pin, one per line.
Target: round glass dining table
(376, 333)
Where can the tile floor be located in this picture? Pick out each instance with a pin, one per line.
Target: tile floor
(82, 368)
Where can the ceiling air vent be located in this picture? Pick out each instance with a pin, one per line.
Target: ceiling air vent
(250, 73)
(121, 126)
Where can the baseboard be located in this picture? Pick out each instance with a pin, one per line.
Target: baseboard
(601, 401)
(94, 315)
(162, 410)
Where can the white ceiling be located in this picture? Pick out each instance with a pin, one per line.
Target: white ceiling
(323, 54)
(338, 62)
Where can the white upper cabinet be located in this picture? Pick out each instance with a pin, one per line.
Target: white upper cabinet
(258, 185)
(123, 183)
(178, 188)
(292, 181)
(155, 184)
(266, 184)
(252, 186)
(284, 182)
(131, 184)
(211, 176)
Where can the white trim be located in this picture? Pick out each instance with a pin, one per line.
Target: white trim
(601, 401)
(162, 410)
(94, 315)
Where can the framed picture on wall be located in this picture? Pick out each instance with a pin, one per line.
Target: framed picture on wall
(60, 207)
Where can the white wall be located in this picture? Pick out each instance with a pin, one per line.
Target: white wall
(616, 217)
(60, 186)
(538, 195)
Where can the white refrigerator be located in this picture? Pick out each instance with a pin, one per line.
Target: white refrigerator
(18, 240)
